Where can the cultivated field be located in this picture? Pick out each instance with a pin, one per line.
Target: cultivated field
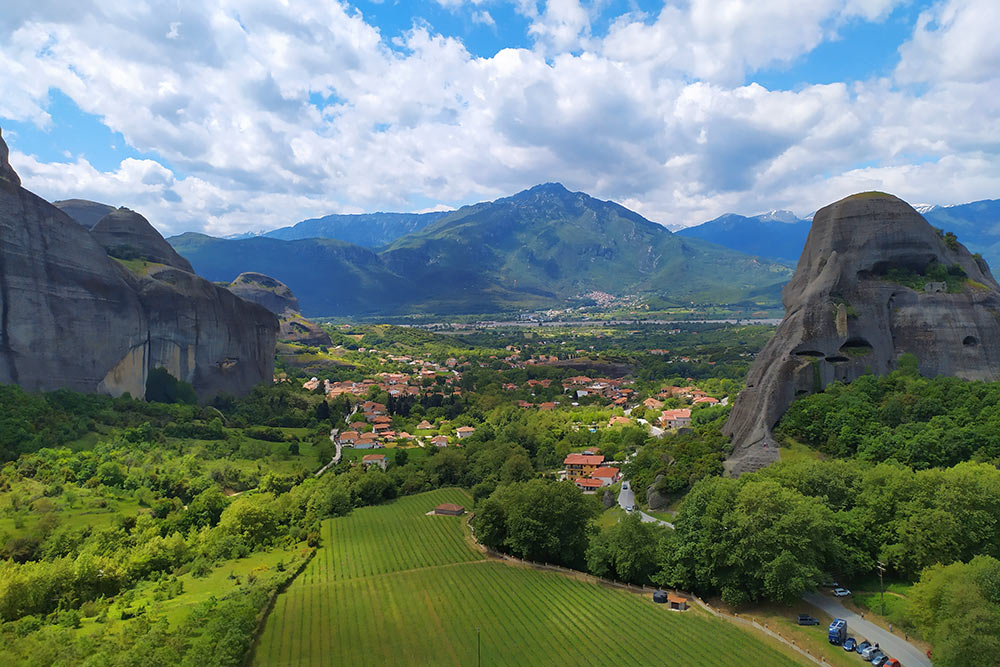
(391, 586)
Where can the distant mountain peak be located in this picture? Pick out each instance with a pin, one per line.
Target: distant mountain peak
(779, 215)
(546, 188)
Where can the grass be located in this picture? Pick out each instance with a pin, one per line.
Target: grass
(393, 586)
(783, 620)
(793, 451)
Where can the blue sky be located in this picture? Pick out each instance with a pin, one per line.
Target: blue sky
(243, 115)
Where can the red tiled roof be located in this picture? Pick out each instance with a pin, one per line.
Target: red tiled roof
(583, 459)
(368, 458)
(590, 483)
(606, 471)
(680, 413)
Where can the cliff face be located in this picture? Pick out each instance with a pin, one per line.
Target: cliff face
(279, 299)
(868, 289)
(73, 317)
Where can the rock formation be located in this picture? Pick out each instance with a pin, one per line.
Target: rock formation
(86, 212)
(874, 282)
(73, 317)
(127, 235)
(278, 298)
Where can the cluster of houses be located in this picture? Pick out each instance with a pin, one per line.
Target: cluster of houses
(588, 472)
(613, 391)
(398, 384)
(375, 415)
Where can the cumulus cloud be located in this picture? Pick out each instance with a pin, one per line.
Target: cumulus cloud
(259, 114)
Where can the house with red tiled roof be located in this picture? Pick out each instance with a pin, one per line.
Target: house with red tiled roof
(375, 459)
(424, 425)
(676, 418)
(619, 420)
(652, 404)
(588, 484)
(581, 465)
(547, 406)
(708, 400)
(464, 431)
(440, 441)
(606, 474)
(347, 438)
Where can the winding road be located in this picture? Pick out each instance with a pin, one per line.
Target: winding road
(626, 498)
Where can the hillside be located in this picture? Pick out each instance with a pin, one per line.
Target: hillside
(371, 230)
(977, 225)
(776, 235)
(537, 249)
(329, 277)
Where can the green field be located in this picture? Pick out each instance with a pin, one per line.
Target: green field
(391, 586)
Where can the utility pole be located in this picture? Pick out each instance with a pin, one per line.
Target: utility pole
(881, 587)
(479, 648)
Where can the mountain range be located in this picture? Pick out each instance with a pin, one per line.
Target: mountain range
(371, 230)
(779, 235)
(541, 248)
(776, 235)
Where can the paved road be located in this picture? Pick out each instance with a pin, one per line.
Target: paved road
(626, 498)
(857, 627)
(336, 458)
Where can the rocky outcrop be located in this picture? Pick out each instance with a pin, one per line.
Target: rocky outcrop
(874, 282)
(654, 499)
(73, 317)
(127, 235)
(87, 213)
(278, 298)
(7, 175)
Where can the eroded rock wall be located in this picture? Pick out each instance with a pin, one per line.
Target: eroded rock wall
(73, 317)
(845, 316)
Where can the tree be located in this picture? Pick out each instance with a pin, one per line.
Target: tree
(402, 456)
(538, 520)
(957, 608)
(626, 551)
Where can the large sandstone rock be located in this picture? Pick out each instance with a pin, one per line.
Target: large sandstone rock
(127, 235)
(71, 316)
(845, 317)
(279, 299)
(87, 213)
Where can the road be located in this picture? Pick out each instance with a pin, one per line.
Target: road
(336, 458)
(626, 498)
(893, 645)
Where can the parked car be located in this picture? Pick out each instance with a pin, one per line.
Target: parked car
(850, 644)
(628, 508)
(862, 646)
(841, 592)
(624, 486)
(806, 619)
(879, 658)
(891, 662)
(867, 654)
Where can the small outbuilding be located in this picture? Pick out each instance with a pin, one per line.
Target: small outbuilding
(449, 509)
(677, 602)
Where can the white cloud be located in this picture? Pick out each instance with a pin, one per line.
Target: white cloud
(262, 113)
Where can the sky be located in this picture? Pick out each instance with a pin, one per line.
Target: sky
(227, 116)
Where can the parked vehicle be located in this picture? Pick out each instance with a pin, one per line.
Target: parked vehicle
(837, 632)
(841, 592)
(891, 662)
(624, 486)
(850, 644)
(628, 508)
(867, 654)
(862, 646)
(806, 619)
(879, 658)
(830, 584)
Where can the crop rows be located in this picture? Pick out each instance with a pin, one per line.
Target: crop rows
(429, 616)
(389, 538)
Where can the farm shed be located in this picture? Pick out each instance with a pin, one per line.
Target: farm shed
(677, 602)
(449, 509)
